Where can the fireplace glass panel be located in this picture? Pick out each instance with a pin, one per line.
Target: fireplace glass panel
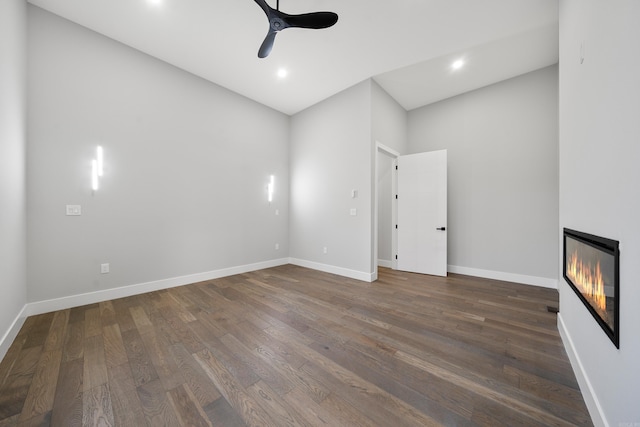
(591, 266)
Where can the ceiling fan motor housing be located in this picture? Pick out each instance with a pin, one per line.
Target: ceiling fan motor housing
(277, 24)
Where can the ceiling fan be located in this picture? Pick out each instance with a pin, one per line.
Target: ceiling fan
(279, 21)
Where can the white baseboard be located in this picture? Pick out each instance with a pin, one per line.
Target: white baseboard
(588, 394)
(126, 291)
(507, 277)
(352, 274)
(12, 333)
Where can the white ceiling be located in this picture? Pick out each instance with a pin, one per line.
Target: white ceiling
(405, 45)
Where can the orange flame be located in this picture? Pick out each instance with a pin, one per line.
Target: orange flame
(589, 281)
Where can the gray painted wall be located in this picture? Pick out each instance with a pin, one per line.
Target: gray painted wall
(13, 33)
(186, 167)
(502, 143)
(331, 155)
(389, 120)
(599, 188)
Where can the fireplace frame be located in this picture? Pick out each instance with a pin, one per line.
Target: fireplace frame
(608, 246)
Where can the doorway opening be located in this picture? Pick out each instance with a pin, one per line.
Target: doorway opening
(385, 239)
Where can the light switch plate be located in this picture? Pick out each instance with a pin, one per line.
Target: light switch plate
(353, 212)
(74, 210)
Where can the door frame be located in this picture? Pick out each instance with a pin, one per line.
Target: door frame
(389, 152)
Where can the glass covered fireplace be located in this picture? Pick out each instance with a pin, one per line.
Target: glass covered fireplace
(591, 267)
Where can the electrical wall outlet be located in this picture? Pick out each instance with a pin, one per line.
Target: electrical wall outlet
(277, 246)
(74, 210)
(324, 250)
(104, 268)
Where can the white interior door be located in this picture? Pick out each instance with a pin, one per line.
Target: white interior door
(422, 213)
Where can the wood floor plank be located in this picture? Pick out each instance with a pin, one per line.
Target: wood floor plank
(551, 391)
(38, 330)
(313, 412)
(186, 406)
(67, 404)
(141, 320)
(371, 392)
(162, 359)
(96, 407)
(107, 313)
(10, 422)
(182, 331)
(313, 387)
(282, 413)
(18, 383)
(43, 385)
(122, 313)
(346, 413)
(139, 361)
(55, 339)
(418, 388)
(252, 336)
(195, 377)
(506, 400)
(241, 372)
(78, 314)
(36, 421)
(293, 346)
(180, 309)
(125, 402)
(73, 341)
(95, 367)
(10, 359)
(247, 354)
(156, 407)
(92, 322)
(220, 413)
(114, 351)
(252, 414)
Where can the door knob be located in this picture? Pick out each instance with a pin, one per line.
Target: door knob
(441, 228)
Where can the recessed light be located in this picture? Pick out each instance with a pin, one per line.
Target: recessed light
(456, 65)
(154, 2)
(282, 73)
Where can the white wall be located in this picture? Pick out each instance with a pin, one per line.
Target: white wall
(599, 190)
(13, 32)
(502, 143)
(187, 165)
(331, 155)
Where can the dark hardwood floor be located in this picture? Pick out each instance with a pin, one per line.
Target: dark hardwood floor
(291, 346)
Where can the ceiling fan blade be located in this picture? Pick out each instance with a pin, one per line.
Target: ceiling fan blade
(279, 21)
(267, 44)
(314, 20)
